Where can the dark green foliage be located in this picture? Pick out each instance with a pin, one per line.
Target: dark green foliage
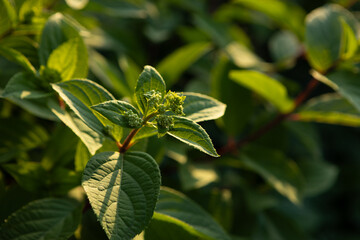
(95, 143)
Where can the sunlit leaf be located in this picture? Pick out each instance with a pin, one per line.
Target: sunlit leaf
(89, 137)
(199, 107)
(80, 95)
(115, 110)
(8, 16)
(123, 190)
(331, 109)
(284, 13)
(194, 176)
(69, 59)
(148, 80)
(270, 89)
(324, 34)
(57, 30)
(177, 62)
(193, 134)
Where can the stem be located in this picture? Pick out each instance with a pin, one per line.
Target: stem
(124, 147)
(127, 142)
(279, 118)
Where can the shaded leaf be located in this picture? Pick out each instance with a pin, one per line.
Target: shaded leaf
(319, 176)
(17, 57)
(192, 221)
(47, 219)
(24, 86)
(18, 135)
(123, 190)
(29, 175)
(280, 172)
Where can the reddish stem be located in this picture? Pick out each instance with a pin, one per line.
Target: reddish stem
(276, 121)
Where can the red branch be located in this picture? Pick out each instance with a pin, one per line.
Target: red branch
(276, 121)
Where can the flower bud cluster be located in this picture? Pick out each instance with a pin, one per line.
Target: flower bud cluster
(153, 98)
(175, 102)
(164, 123)
(133, 119)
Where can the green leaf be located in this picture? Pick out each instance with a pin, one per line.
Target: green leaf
(148, 80)
(284, 13)
(82, 156)
(123, 190)
(280, 172)
(18, 135)
(349, 42)
(114, 110)
(80, 95)
(194, 176)
(238, 100)
(17, 57)
(331, 109)
(284, 47)
(172, 66)
(24, 86)
(346, 83)
(199, 107)
(193, 134)
(29, 175)
(319, 176)
(145, 132)
(47, 219)
(60, 148)
(324, 36)
(31, 8)
(57, 30)
(89, 137)
(8, 16)
(270, 89)
(192, 221)
(69, 59)
(108, 74)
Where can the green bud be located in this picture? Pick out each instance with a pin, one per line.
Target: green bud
(133, 119)
(162, 109)
(153, 98)
(164, 123)
(175, 101)
(48, 75)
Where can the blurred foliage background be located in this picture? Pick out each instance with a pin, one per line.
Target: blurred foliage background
(297, 181)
